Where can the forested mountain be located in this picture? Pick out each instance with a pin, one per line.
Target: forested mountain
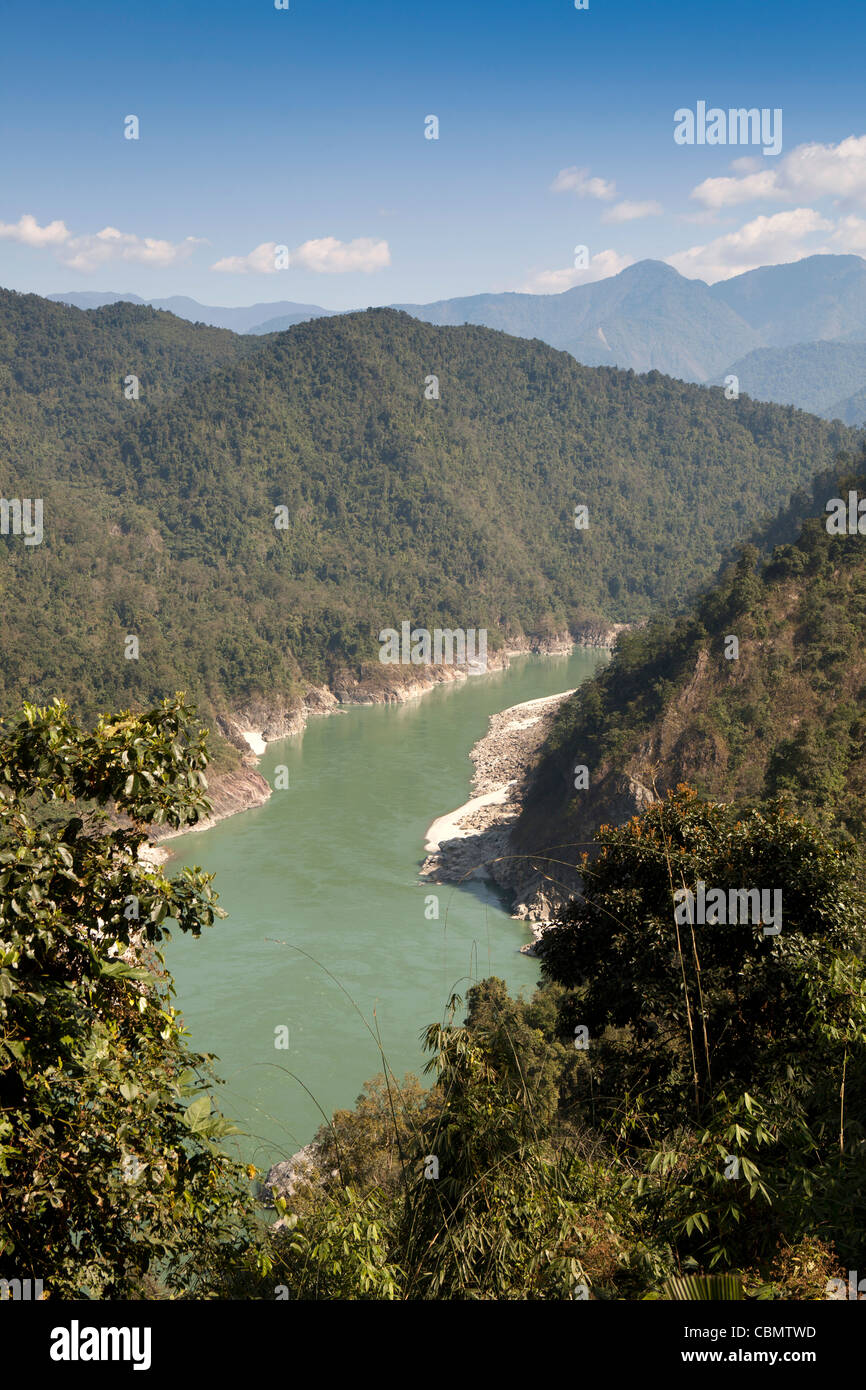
(784, 718)
(648, 317)
(827, 378)
(159, 513)
(794, 333)
(70, 364)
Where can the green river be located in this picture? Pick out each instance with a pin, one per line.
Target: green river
(326, 934)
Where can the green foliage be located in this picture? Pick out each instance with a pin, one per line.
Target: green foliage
(704, 1288)
(159, 512)
(732, 1045)
(366, 1147)
(713, 1128)
(339, 1250)
(785, 719)
(110, 1168)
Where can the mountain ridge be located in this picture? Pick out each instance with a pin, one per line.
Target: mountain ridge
(785, 718)
(457, 512)
(648, 317)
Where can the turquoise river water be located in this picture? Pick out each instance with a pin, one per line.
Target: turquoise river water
(326, 934)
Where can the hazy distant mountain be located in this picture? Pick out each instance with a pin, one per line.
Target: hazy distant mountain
(245, 319)
(819, 298)
(284, 321)
(790, 332)
(851, 409)
(820, 377)
(95, 299)
(647, 317)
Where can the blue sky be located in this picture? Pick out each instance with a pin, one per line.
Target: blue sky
(304, 128)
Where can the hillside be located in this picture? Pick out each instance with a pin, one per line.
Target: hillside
(787, 718)
(63, 370)
(819, 297)
(456, 512)
(648, 317)
(826, 378)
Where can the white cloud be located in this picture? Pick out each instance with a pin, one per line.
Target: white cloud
(814, 171)
(601, 266)
(728, 192)
(574, 180)
(262, 260)
(809, 172)
(748, 164)
(850, 235)
(629, 212)
(28, 231)
(326, 256)
(763, 241)
(88, 252)
(331, 257)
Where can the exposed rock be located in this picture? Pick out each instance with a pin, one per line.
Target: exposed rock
(273, 720)
(285, 1178)
(474, 841)
(260, 720)
(596, 633)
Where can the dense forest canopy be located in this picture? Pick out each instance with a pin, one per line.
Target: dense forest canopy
(664, 1104)
(159, 512)
(784, 718)
(660, 1106)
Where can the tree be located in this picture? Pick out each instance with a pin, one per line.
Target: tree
(109, 1165)
(732, 1060)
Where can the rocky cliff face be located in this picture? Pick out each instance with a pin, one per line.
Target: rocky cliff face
(276, 719)
(541, 883)
(596, 633)
(539, 860)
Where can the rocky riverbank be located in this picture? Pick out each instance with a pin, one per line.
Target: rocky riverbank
(256, 723)
(474, 840)
(259, 722)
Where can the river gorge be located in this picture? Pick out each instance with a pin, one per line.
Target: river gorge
(330, 937)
